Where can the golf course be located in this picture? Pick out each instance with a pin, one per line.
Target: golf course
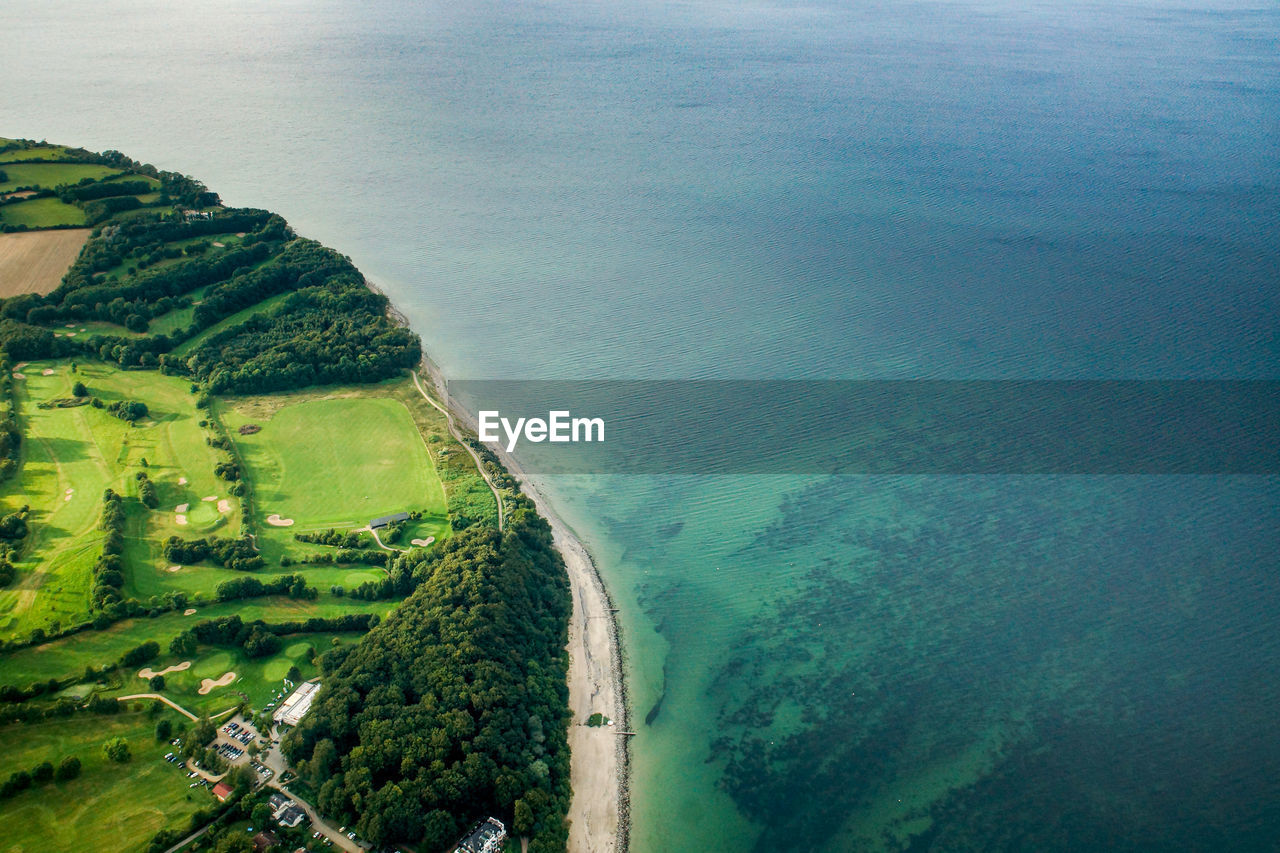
(203, 415)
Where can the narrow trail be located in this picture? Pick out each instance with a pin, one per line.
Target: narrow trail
(457, 434)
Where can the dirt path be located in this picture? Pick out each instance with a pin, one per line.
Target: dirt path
(457, 434)
(166, 700)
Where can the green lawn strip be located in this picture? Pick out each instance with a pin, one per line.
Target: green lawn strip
(52, 175)
(190, 344)
(48, 153)
(70, 655)
(110, 805)
(41, 213)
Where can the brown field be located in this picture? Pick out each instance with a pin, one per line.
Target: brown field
(35, 261)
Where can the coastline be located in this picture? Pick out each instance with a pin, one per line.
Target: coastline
(599, 812)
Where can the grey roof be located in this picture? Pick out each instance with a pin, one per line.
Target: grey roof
(388, 519)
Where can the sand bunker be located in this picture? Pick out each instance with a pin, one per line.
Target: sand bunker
(148, 672)
(207, 684)
(182, 481)
(67, 496)
(174, 569)
(181, 519)
(224, 505)
(71, 325)
(71, 334)
(276, 521)
(19, 376)
(219, 245)
(190, 611)
(422, 543)
(182, 507)
(48, 371)
(210, 498)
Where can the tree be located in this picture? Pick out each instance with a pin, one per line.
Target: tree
(156, 683)
(164, 730)
(183, 644)
(294, 674)
(68, 768)
(79, 390)
(42, 772)
(117, 750)
(260, 815)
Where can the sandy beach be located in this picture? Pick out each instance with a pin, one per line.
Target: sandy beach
(598, 814)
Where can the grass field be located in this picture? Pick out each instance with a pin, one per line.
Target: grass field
(365, 450)
(258, 680)
(35, 262)
(51, 175)
(41, 213)
(187, 346)
(72, 455)
(69, 656)
(110, 806)
(42, 152)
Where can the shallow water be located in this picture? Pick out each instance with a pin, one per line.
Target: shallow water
(907, 190)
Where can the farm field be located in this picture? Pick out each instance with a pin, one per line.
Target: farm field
(374, 462)
(51, 175)
(110, 805)
(41, 213)
(35, 261)
(73, 454)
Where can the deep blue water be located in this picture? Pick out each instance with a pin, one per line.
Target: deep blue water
(810, 190)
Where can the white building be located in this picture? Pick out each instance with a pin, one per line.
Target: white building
(297, 705)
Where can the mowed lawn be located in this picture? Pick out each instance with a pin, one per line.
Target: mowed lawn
(110, 806)
(41, 213)
(333, 461)
(261, 680)
(51, 175)
(72, 455)
(70, 655)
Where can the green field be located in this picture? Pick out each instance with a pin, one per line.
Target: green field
(365, 451)
(51, 175)
(41, 213)
(110, 806)
(72, 455)
(187, 346)
(70, 655)
(44, 152)
(258, 680)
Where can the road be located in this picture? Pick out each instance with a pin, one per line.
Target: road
(457, 434)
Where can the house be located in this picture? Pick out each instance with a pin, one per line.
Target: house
(290, 816)
(278, 802)
(379, 523)
(487, 837)
(265, 840)
(222, 790)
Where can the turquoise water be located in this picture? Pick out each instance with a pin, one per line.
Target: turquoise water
(821, 190)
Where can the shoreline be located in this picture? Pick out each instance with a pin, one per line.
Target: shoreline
(599, 809)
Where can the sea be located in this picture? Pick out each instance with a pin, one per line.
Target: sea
(810, 190)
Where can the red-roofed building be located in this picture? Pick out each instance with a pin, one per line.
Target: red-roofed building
(222, 790)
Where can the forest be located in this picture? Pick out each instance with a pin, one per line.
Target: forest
(455, 707)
